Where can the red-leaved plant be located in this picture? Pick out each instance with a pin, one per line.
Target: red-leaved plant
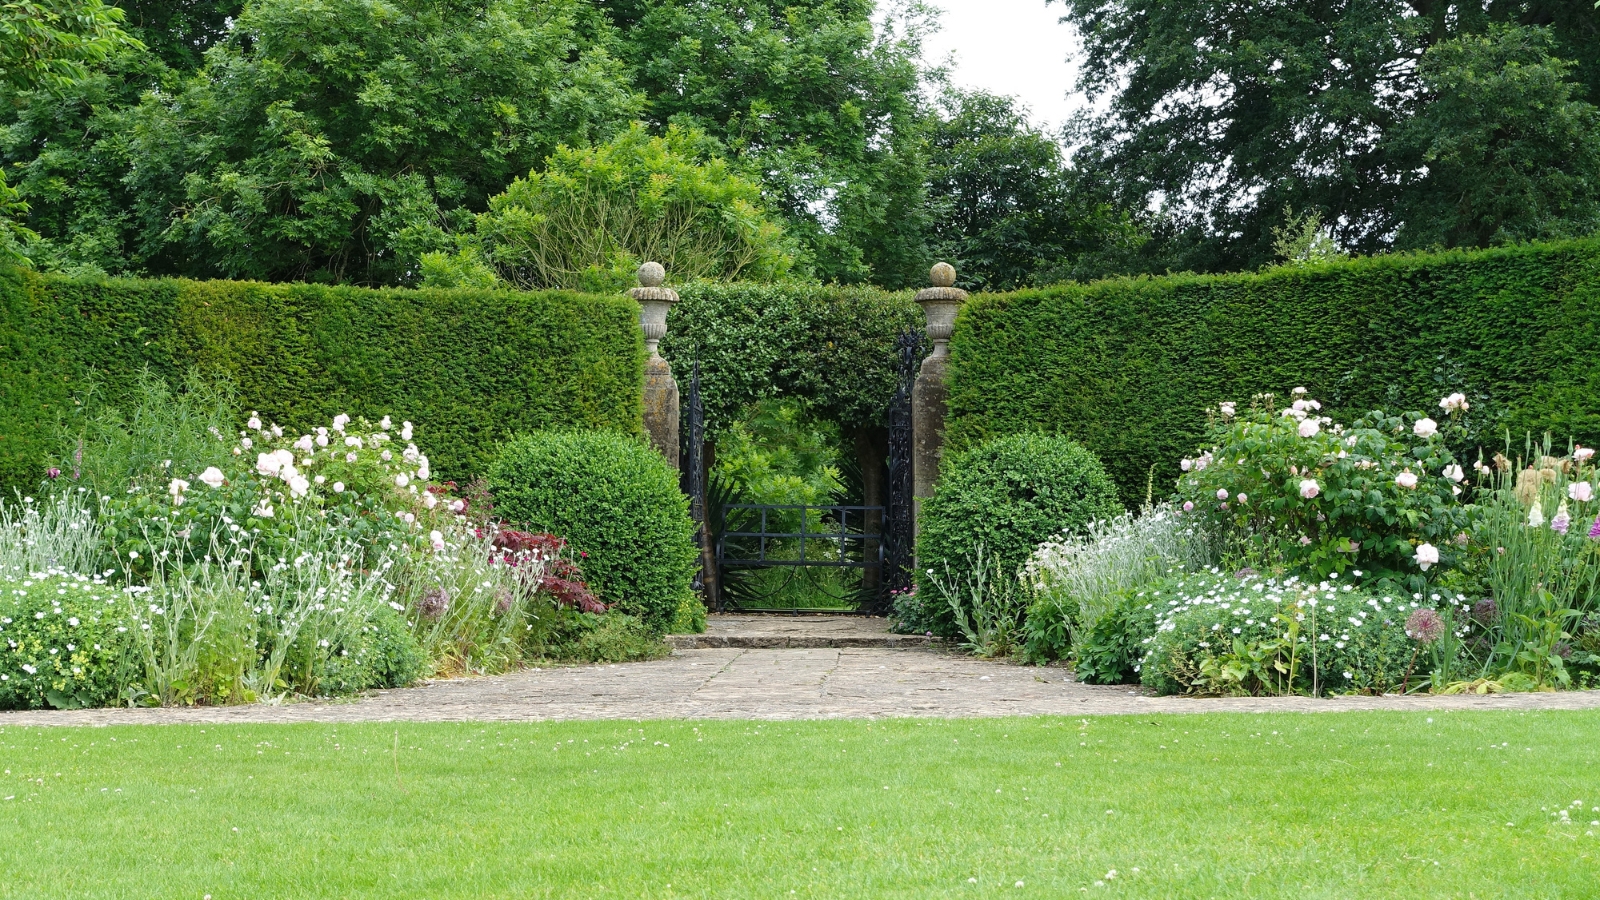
(562, 578)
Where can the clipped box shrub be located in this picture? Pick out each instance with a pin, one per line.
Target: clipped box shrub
(64, 642)
(1007, 497)
(617, 503)
(1129, 366)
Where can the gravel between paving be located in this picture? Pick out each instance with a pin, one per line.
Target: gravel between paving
(773, 684)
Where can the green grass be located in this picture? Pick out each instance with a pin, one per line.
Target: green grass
(1346, 805)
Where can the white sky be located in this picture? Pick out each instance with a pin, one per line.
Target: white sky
(1013, 47)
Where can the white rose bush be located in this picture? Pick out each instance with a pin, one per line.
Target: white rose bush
(1294, 489)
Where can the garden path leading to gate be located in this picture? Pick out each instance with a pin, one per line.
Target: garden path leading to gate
(774, 667)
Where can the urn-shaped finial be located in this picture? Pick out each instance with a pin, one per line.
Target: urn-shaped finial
(939, 304)
(654, 301)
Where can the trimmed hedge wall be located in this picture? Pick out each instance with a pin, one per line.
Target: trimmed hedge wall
(469, 367)
(1128, 366)
(831, 346)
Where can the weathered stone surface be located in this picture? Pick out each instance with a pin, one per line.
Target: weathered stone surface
(781, 631)
(928, 407)
(940, 304)
(823, 683)
(661, 408)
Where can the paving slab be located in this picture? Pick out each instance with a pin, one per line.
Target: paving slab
(767, 632)
(772, 684)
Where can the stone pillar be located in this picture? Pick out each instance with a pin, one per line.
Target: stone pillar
(928, 396)
(660, 389)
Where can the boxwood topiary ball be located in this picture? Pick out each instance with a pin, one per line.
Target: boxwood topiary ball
(1008, 496)
(617, 502)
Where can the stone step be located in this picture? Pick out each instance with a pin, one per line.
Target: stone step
(774, 632)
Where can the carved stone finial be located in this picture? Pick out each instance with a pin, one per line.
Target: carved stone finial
(942, 275)
(654, 301)
(651, 274)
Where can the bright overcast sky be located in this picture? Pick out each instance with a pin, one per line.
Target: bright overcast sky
(1010, 47)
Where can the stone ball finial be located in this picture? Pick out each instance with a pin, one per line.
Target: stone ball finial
(942, 275)
(651, 274)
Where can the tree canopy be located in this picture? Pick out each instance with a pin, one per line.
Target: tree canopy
(1222, 114)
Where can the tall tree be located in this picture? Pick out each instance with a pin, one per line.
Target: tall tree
(1225, 113)
(50, 43)
(807, 95)
(342, 139)
(1006, 208)
(179, 32)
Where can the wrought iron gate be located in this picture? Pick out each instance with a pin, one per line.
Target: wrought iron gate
(752, 552)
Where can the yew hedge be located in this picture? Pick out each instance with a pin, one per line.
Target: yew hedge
(1128, 366)
(469, 367)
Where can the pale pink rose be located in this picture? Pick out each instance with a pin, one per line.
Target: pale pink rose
(1427, 556)
(1309, 428)
(1187, 506)
(1581, 491)
(1227, 409)
(298, 486)
(1243, 499)
(353, 441)
(405, 431)
(340, 421)
(1582, 454)
(305, 444)
(1425, 428)
(437, 539)
(212, 477)
(1309, 488)
(254, 423)
(1298, 391)
(430, 501)
(1454, 473)
(401, 480)
(268, 464)
(385, 423)
(351, 457)
(246, 443)
(457, 506)
(1406, 480)
(1186, 465)
(1222, 493)
(338, 487)
(177, 487)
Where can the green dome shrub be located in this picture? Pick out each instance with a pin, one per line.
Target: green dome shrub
(1007, 496)
(617, 502)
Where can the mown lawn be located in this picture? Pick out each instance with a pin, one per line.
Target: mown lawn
(1345, 805)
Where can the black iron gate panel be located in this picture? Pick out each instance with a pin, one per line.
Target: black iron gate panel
(757, 537)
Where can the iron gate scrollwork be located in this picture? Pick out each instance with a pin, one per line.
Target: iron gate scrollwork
(764, 551)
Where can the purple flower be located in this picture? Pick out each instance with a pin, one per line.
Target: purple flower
(53, 473)
(435, 601)
(1485, 611)
(1594, 530)
(1424, 626)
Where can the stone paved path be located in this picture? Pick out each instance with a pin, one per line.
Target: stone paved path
(810, 683)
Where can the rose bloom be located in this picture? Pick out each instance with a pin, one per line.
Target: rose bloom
(1426, 428)
(1222, 493)
(385, 423)
(401, 480)
(1581, 491)
(338, 487)
(1454, 472)
(212, 477)
(254, 424)
(1227, 410)
(1243, 499)
(1187, 506)
(1582, 454)
(340, 421)
(1427, 556)
(305, 444)
(1309, 488)
(298, 486)
(1309, 428)
(437, 540)
(1406, 480)
(177, 487)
